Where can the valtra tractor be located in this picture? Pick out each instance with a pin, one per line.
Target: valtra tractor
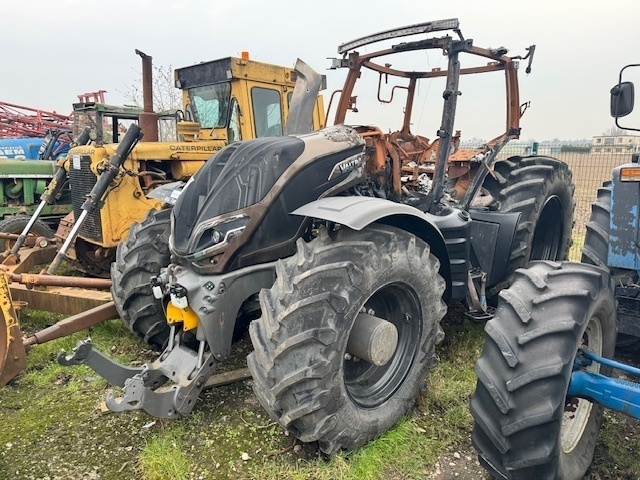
(544, 375)
(343, 248)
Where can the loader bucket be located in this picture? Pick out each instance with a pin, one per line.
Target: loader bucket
(13, 358)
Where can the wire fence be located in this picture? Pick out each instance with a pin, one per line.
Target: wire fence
(591, 165)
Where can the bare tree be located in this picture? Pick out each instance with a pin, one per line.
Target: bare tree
(165, 95)
(614, 132)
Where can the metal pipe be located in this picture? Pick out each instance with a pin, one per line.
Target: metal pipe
(201, 353)
(22, 237)
(72, 324)
(148, 119)
(67, 243)
(33, 280)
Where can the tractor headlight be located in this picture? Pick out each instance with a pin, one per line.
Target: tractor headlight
(213, 236)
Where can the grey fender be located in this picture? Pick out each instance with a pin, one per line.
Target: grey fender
(358, 212)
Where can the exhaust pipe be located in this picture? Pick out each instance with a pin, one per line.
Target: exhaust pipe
(148, 118)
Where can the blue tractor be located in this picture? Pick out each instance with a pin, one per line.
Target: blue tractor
(544, 375)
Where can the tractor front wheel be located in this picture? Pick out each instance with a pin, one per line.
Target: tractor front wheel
(525, 424)
(142, 255)
(319, 367)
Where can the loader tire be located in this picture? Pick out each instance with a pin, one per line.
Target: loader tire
(525, 425)
(541, 190)
(141, 256)
(302, 374)
(16, 223)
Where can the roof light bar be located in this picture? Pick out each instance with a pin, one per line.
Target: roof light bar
(437, 25)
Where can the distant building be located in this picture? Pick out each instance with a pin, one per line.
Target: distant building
(616, 144)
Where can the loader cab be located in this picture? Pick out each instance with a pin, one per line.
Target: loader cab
(236, 99)
(108, 123)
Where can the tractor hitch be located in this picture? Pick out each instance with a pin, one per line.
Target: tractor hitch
(144, 388)
(619, 395)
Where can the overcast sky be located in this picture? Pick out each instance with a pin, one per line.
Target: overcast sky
(54, 50)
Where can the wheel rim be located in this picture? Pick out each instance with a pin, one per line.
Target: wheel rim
(547, 238)
(577, 411)
(368, 385)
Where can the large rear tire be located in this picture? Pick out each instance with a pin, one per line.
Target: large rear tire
(142, 255)
(303, 374)
(541, 190)
(525, 426)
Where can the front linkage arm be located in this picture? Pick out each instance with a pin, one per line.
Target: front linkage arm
(142, 387)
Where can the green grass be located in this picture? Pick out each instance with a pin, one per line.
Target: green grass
(53, 426)
(162, 457)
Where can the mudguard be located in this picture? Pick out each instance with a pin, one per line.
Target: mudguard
(358, 212)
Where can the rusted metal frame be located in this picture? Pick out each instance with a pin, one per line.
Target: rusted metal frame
(33, 280)
(72, 325)
(376, 163)
(63, 300)
(512, 131)
(331, 101)
(393, 89)
(347, 89)
(492, 67)
(409, 106)
(513, 100)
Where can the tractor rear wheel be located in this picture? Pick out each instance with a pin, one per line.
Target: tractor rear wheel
(541, 190)
(16, 223)
(525, 425)
(305, 373)
(142, 255)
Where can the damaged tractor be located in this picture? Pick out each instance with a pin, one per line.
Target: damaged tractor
(343, 248)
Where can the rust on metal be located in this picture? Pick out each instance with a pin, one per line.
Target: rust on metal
(33, 280)
(64, 300)
(72, 325)
(12, 354)
(416, 154)
(148, 119)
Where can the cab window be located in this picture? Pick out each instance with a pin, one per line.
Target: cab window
(267, 113)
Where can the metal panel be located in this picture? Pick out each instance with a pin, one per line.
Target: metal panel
(82, 181)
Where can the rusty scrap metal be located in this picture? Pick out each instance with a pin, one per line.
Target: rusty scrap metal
(33, 280)
(72, 325)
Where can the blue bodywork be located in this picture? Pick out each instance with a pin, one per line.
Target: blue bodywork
(20, 148)
(28, 148)
(624, 233)
(619, 395)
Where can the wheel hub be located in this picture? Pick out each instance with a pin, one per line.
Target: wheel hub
(372, 339)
